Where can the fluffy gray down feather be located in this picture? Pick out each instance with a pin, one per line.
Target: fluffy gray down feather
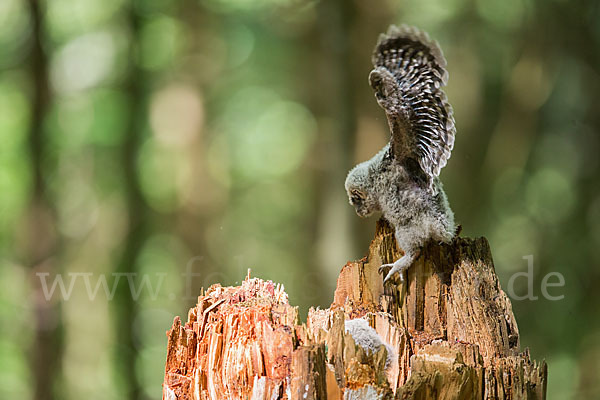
(368, 338)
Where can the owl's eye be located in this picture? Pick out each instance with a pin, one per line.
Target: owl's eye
(356, 197)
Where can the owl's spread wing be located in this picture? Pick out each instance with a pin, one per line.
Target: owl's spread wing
(410, 71)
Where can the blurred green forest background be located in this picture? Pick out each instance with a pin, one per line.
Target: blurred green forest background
(146, 139)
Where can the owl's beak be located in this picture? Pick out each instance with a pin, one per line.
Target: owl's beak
(362, 212)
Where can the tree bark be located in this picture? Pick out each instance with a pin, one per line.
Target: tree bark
(451, 328)
(43, 245)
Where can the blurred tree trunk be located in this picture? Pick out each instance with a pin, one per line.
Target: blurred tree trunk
(451, 328)
(333, 68)
(137, 214)
(42, 245)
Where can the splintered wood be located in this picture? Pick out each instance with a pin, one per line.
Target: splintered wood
(450, 329)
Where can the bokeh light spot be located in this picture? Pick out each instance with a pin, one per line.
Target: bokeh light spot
(149, 369)
(67, 18)
(561, 152)
(158, 169)
(84, 62)
(78, 206)
(268, 137)
(565, 373)
(550, 196)
(176, 115)
(513, 237)
(15, 380)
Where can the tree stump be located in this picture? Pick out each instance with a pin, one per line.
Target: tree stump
(451, 328)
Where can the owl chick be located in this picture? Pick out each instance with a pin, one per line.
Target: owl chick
(401, 181)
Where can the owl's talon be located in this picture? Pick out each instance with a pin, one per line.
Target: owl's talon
(391, 269)
(392, 273)
(385, 268)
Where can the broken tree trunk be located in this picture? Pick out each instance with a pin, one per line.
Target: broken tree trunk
(450, 327)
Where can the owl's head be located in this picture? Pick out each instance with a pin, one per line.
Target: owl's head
(359, 186)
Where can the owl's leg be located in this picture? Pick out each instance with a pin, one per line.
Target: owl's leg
(400, 265)
(410, 242)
